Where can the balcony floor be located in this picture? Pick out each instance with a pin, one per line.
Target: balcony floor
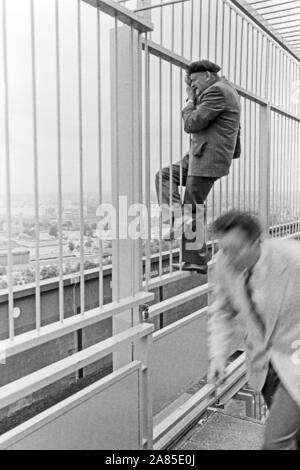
(220, 430)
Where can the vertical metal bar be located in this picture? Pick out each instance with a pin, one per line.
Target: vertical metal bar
(160, 165)
(263, 44)
(8, 179)
(252, 58)
(235, 49)
(296, 174)
(140, 125)
(250, 151)
(222, 67)
(246, 150)
(275, 97)
(192, 26)
(80, 129)
(181, 127)
(279, 175)
(277, 168)
(200, 26)
(254, 155)
(208, 26)
(285, 169)
(100, 195)
(229, 42)
(171, 159)
(293, 172)
(289, 166)
(270, 75)
(147, 164)
(59, 164)
(239, 184)
(217, 31)
(132, 270)
(223, 35)
(36, 177)
(297, 178)
(283, 134)
(277, 82)
(160, 144)
(273, 168)
(181, 154)
(242, 39)
(267, 69)
(264, 166)
(161, 23)
(116, 65)
(256, 62)
(161, 298)
(172, 27)
(282, 89)
(247, 55)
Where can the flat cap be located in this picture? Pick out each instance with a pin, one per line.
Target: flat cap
(203, 66)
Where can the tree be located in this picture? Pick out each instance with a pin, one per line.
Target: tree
(3, 271)
(28, 275)
(88, 243)
(3, 284)
(53, 231)
(49, 271)
(71, 245)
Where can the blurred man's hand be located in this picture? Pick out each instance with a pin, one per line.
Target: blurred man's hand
(216, 371)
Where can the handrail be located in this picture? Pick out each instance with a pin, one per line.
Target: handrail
(200, 401)
(123, 14)
(55, 330)
(180, 299)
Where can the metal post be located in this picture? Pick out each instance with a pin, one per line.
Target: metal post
(264, 166)
(126, 172)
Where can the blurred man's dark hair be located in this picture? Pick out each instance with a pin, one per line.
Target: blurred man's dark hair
(245, 221)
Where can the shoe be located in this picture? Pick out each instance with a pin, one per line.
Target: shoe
(199, 268)
(172, 235)
(169, 236)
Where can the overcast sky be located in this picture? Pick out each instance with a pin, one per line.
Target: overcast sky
(20, 91)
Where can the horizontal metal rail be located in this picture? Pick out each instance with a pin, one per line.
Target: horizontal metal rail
(123, 14)
(177, 60)
(194, 407)
(157, 335)
(31, 383)
(180, 299)
(56, 330)
(160, 5)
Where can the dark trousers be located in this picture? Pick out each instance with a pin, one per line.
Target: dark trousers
(197, 189)
(283, 423)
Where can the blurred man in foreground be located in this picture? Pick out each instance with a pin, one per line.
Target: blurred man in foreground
(260, 279)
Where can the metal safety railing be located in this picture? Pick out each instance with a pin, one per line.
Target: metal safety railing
(116, 110)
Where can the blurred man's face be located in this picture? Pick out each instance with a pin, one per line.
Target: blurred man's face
(199, 82)
(240, 252)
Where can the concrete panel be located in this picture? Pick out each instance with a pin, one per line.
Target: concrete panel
(103, 416)
(178, 359)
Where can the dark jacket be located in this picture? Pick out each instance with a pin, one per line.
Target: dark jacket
(214, 125)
